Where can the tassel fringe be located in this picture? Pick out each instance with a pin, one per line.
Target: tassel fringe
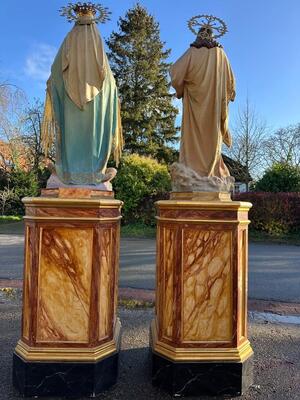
(49, 126)
(118, 141)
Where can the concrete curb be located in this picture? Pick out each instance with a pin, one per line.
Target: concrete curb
(144, 295)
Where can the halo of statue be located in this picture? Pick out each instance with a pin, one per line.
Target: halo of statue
(72, 11)
(207, 26)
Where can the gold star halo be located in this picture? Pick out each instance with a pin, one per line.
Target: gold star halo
(208, 22)
(72, 11)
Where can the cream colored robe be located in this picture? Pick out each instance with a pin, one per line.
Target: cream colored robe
(84, 63)
(203, 77)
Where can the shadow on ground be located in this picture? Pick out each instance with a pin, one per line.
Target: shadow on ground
(276, 347)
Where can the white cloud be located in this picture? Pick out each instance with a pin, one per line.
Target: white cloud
(39, 61)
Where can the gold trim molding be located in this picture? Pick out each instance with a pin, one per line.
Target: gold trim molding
(239, 354)
(67, 202)
(203, 221)
(201, 196)
(205, 205)
(68, 353)
(28, 217)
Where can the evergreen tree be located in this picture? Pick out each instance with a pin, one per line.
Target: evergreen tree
(138, 60)
(281, 177)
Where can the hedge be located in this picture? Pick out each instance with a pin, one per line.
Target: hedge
(274, 213)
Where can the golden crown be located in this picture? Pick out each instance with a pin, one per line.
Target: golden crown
(207, 26)
(72, 11)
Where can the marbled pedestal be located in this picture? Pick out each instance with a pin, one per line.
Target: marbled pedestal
(70, 333)
(199, 336)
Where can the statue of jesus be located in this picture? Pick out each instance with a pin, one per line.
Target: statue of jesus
(82, 111)
(203, 78)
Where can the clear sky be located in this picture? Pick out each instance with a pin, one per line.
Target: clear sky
(263, 45)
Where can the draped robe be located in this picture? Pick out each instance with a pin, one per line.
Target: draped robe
(82, 112)
(204, 79)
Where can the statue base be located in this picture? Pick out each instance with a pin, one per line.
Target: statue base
(202, 378)
(201, 196)
(70, 334)
(55, 183)
(185, 179)
(68, 379)
(199, 338)
(80, 193)
(190, 376)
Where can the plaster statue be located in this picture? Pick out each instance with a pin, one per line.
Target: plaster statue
(82, 111)
(203, 78)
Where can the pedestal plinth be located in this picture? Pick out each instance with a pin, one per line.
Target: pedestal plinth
(70, 334)
(199, 336)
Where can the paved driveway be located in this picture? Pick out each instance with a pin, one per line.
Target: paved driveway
(274, 270)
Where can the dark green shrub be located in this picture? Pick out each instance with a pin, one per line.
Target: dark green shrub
(280, 178)
(23, 184)
(139, 183)
(7, 197)
(3, 179)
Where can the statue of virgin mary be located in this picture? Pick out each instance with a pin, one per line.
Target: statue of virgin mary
(82, 111)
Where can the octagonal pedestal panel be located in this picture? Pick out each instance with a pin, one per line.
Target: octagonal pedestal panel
(199, 335)
(70, 333)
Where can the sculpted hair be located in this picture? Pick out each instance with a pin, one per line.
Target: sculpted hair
(205, 39)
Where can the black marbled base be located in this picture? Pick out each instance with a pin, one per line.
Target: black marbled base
(201, 378)
(68, 379)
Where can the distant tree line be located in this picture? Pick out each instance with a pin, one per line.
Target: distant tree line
(272, 159)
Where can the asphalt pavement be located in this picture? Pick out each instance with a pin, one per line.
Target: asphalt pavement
(276, 359)
(274, 270)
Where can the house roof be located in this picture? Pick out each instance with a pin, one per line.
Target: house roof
(237, 170)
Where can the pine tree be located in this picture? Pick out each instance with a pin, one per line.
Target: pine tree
(138, 60)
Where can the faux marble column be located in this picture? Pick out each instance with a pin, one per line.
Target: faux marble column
(199, 335)
(70, 333)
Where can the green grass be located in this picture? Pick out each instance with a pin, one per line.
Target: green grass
(15, 225)
(138, 230)
(7, 219)
(8, 292)
(284, 238)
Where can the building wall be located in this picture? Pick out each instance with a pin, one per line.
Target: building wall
(240, 187)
